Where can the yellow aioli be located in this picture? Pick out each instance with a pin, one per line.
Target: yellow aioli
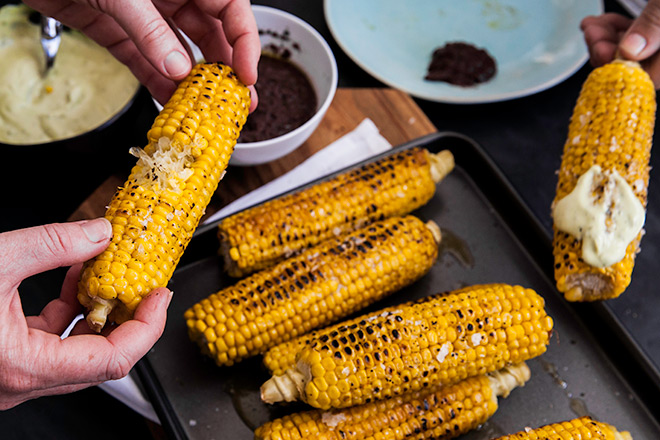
(606, 224)
(86, 87)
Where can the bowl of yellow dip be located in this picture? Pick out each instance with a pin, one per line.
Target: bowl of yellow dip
(86, 89)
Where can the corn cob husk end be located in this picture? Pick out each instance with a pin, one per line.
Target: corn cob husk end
(99, 309)
(620, 60)
(435, 231)
(508, 378)
(287, 387)
(442, 163)
(595, 284)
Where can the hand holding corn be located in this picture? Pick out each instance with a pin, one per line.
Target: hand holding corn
(610, 34)
(34, 360)
(600, 202)
(155, 213)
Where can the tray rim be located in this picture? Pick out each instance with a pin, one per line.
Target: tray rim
(616, 342)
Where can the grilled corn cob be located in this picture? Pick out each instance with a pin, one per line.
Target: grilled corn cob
(439, 412)
(440, 339)
(395, 185)
(281, 357)
(321, 285)
(612, 127)
(577, 429)
(155, 213)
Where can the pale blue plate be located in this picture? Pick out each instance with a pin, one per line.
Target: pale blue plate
(535, 43)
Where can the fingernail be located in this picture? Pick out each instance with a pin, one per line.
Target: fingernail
(163, 295)
(633, 44)
(177, 64)
(97, 230)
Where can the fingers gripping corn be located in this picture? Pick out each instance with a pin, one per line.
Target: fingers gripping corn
(155, 213)
(395, 185)
(612, 127)
(440, 339)
(439, 412)
(577, 429)
(319, 286)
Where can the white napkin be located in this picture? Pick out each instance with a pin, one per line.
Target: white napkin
(362, 143)
(125, 389)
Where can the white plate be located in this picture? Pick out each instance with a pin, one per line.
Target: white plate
(535, 43)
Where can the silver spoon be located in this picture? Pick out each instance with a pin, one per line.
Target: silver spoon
(50, 40)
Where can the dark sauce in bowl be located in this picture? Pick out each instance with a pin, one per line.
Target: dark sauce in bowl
(286, 100)
(461, 64)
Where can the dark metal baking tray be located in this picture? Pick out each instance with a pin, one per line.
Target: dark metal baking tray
(592, 367)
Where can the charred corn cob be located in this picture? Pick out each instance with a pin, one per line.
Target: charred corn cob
(611, 128)
(577, 429)
(155, 213)
(393, 186)
(321, 285)
(439, 412)
(281, 357)
(441, 339)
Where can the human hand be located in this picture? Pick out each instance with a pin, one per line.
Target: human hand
(639, 39)
(138, 33)
(34, 360)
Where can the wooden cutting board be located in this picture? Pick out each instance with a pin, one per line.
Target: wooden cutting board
(396, 115)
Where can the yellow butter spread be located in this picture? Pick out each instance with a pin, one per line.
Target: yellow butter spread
(604, 213)
(85, 88)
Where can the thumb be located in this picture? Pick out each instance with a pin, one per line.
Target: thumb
(642, 39)
(26, 252)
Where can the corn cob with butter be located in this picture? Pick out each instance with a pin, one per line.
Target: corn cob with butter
(439, 412)
(440, 339)
(315, 288)
(155, 213)
(393, 186)
(582, 428)
(605, 162)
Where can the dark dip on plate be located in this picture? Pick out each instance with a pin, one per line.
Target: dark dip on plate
(461, 64)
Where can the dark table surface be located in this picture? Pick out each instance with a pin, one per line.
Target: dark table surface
(524, 137)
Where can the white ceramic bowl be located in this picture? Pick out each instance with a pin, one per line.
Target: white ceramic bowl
(314, 57)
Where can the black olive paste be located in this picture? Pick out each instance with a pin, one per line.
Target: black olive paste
(286, 100)
(461, 64)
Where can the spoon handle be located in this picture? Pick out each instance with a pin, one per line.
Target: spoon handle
(50, 39)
